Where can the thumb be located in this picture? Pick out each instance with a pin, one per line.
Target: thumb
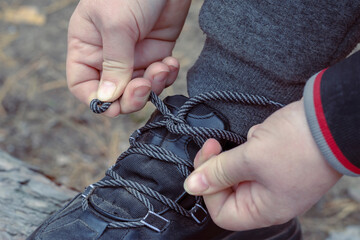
(118, 64)
(219, 172)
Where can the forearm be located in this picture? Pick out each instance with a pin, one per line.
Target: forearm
(332, 105)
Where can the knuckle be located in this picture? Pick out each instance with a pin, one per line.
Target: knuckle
(220, 174)
(123, 23)
(119, 24)
(112, 65)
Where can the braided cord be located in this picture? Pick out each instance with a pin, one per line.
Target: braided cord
(226, 96)
(98, 106)
(175, 124)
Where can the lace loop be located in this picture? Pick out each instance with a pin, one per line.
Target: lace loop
(98, 106)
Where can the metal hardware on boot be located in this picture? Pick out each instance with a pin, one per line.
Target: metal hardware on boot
(134, 136)
(198, 213)
(155, 221)
(88, 191)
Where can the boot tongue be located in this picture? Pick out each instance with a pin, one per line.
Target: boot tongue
(159, 175)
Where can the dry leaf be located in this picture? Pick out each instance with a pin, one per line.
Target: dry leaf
(23, 14)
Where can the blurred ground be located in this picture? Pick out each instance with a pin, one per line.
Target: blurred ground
(43, 124)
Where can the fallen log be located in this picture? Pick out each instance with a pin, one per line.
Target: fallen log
(27, 197)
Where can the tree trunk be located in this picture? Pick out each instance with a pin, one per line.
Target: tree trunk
(27, 198)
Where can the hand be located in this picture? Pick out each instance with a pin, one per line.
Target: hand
(110, 42)
(276, 175)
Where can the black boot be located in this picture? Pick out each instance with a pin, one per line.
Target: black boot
(142, 195)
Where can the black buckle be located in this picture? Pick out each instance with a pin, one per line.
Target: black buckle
(199, 214)
(88, 191)
(155, 222)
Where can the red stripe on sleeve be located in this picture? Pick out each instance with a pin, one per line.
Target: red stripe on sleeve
(325, 128)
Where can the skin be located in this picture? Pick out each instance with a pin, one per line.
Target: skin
(121, 50)
(105, 53)
(276, 175)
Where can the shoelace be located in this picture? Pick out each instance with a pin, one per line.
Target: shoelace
(175, 124)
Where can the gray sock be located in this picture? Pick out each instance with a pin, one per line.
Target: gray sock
(269, 48)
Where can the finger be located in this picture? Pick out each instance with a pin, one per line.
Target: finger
(136, 95)
(84, 90)
(162, 74)
(219, 172)
(138, 73)
(174, 67)
(82, 73)
(114, 110)
(150, 50)
(210, 148)
(117, 68)
(238, 210)
(157, 73)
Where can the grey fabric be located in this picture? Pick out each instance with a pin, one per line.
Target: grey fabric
(269, 48)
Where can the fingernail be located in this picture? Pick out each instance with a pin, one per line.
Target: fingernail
(161, 76)
(106, 90)
(196, 183)
(142, 91)
(173, 68)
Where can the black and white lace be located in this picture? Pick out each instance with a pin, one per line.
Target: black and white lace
(175, 124)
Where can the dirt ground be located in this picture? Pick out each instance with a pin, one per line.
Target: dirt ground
(43, 124)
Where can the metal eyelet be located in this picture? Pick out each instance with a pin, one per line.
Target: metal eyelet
(88, 191)
(134, 136)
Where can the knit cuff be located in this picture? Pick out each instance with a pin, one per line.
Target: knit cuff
(320, 130)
